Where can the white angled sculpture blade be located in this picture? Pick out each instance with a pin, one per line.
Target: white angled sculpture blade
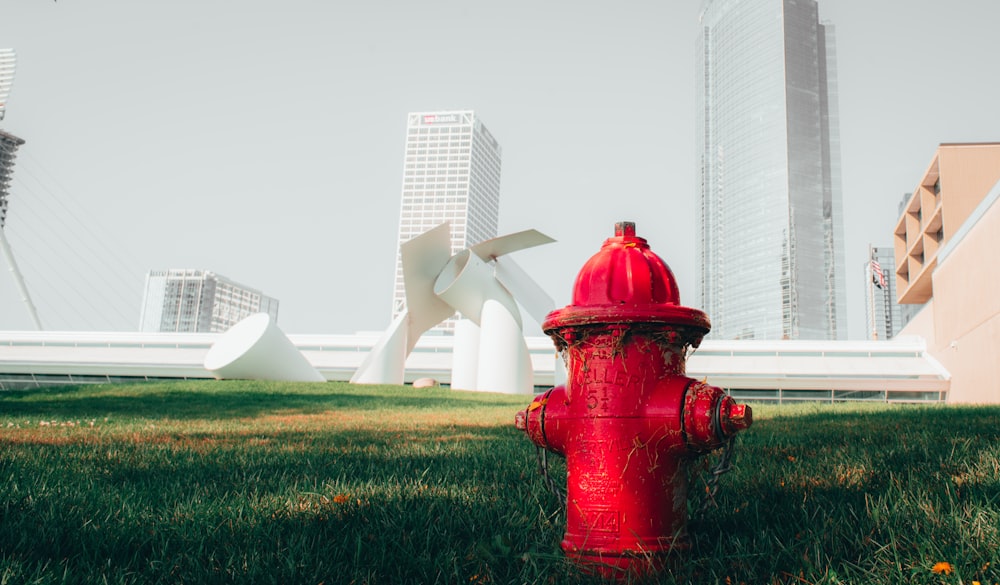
(423, 258)
(532, 297)
(496, 247)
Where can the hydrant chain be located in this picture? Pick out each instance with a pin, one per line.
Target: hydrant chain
(543, 467)
(721, 468)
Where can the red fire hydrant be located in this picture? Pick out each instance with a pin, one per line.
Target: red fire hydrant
(628, 420)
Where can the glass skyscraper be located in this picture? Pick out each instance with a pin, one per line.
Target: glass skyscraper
(771, 243)
(451, 172)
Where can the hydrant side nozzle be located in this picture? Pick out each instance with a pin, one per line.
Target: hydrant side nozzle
(541, 420)
(711, 417)
(521, 420)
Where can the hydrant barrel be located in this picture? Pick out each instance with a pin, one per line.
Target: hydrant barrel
(628, 419)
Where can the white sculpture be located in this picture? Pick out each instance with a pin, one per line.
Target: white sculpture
(255, 349)
(489, 352)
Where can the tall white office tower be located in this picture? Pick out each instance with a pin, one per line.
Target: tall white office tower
(770, 213)
(451, 172)
(193, 301)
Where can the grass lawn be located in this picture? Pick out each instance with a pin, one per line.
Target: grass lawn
(255, 482)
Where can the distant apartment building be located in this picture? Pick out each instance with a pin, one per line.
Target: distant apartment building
(191, 301)
(771, 249)
(947, 253)
(908, 310)
(451, 173)
(882, 312)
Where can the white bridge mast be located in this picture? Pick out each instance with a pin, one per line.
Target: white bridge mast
(8, 149)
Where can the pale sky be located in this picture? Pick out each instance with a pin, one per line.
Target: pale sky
(263, 140)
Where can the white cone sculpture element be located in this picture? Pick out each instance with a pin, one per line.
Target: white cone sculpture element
(489, 352)
(255, 349)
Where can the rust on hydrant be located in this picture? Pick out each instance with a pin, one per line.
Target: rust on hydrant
(628, 420)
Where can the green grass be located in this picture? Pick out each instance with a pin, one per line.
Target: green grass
(251, 482)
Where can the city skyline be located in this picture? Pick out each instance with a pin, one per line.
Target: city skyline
(770, 212)
(269, 137)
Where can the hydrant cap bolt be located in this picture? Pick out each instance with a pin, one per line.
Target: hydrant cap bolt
(626, 282)
(625, 228)
(736, 417)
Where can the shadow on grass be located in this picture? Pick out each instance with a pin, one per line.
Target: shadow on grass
(229, 399)
(858, 494)
(450, 506)
(906, 432)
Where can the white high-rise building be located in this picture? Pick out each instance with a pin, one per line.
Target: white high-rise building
(192, 301)
(770, 212)
(451, 172)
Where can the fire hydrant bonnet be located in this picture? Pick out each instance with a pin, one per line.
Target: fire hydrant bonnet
(626, 282)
